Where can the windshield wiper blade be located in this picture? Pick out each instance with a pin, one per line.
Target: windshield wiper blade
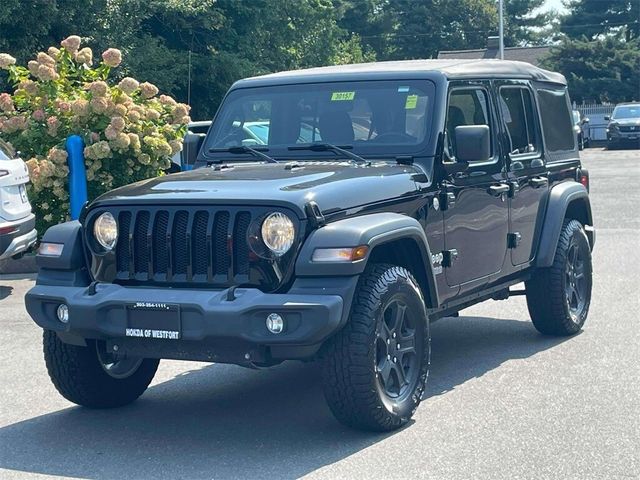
(244, 149)
(328, 147)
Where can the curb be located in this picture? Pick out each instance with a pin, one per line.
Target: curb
(26, 264)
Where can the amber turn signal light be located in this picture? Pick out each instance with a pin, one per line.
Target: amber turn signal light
(345, 254)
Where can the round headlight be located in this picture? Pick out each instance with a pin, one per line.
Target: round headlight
(105, 229)
(278, 233)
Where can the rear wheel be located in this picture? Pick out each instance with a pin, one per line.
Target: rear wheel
(91, 377)
(559, 296)
(375, 369)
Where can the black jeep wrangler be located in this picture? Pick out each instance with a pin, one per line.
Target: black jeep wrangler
(333, 214)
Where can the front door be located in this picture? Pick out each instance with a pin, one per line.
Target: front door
(527, 173)
(476, 206)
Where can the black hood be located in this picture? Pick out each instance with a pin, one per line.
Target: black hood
(333, 186)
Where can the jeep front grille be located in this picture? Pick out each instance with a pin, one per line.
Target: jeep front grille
(206, 246)
(183, 245)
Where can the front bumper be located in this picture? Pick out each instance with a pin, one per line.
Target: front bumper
(208, 318)
(619, 136)
(21, 238)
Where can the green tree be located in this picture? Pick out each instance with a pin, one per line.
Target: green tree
(594, 18)
(525, 23)
(603, 70)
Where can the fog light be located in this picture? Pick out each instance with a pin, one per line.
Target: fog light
(275, 323)
(63, 313)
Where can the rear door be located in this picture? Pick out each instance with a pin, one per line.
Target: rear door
(476, 208)
(14, 176)
(526, 171)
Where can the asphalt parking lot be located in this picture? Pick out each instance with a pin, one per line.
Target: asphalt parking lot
(502, 401)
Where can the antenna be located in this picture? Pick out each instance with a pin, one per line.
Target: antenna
(500, 6)
(189, 81)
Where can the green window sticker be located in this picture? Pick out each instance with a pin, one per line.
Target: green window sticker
(342, 96)
(411, 103)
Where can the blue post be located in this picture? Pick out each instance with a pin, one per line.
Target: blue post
(77, 175)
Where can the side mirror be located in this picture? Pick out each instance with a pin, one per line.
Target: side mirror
(473, 143)
(190, 148)
(585, 120)
(607, 118)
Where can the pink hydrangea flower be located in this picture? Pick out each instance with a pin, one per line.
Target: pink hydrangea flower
(128, 85)
(44, 59)
(99, 88)
(112, 57)
(71, 43)
(85, 56)
(6, 103)
(47, 73)
(38, 115)
(6, 60)
(148, 90)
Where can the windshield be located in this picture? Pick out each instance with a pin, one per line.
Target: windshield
(373, 117)
(627, 111)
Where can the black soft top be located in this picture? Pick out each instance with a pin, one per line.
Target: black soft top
(447, 69)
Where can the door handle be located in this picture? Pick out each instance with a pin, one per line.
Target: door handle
(497, 190)
(538, 182)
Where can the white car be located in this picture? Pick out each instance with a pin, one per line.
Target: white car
(17, 222)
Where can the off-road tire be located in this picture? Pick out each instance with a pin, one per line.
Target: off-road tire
(350, 378)
(78, 375)
(547, 297)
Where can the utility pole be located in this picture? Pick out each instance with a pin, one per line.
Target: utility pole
(500, 6)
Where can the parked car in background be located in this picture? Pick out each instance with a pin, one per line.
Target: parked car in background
(580, 126)
(17, 222)
(624, 125)
(199, 128)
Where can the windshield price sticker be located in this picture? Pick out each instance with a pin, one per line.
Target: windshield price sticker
(411, 103)
(342, 96)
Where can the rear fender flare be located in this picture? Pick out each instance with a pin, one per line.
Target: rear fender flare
(562, 197)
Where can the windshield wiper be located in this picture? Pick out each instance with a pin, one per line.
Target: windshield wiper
(328, 147)
(243, 149)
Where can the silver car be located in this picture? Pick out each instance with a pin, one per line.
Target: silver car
(17, 222)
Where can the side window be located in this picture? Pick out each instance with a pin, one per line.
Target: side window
(466, 107)
(557, 125)
(517, 110)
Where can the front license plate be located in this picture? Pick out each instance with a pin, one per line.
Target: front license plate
(153, 320)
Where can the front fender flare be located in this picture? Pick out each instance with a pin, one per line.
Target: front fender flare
(371, 230)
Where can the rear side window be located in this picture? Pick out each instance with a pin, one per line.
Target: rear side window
(557, 124)
(6, 151)
(517, 110)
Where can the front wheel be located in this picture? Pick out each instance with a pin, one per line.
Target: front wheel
(375, 369)
(91, 377)
(559, 296)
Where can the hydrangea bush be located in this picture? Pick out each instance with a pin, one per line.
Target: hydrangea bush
(130, 132)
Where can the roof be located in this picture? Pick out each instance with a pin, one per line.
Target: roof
(532, 55)
(449, 68)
